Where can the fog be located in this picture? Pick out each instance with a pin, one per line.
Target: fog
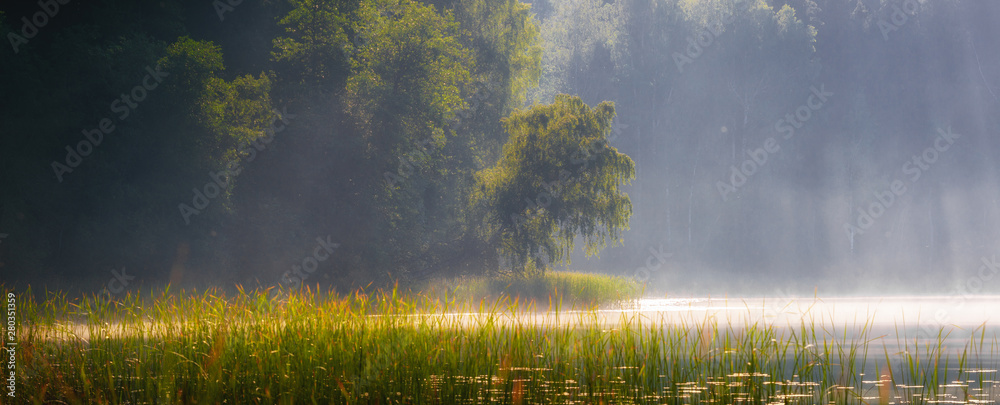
(864, 167)
(781, 147)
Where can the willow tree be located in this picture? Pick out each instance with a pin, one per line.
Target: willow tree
(557, 178)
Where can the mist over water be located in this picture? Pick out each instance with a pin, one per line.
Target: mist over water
(757, 185)
(907, 313)
(343, 201)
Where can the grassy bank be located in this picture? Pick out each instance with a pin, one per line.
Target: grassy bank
(571, 289)
(308, 347)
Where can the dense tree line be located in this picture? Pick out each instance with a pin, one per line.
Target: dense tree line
(382, 139)
(284, 136)
(268, 125)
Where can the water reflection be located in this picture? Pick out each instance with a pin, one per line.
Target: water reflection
(915, 311)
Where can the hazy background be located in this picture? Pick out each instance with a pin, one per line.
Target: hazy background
(699, 86)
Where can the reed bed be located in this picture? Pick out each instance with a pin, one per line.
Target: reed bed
(384, 347)
(575, 289)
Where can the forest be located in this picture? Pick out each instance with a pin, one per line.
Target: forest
(346, 142)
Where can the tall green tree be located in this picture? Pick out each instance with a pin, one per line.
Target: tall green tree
(557, 179)
(505, 36)
(405, 80)
(408, 75)
(314, 53)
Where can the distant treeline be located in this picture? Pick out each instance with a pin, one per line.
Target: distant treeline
(765, 132)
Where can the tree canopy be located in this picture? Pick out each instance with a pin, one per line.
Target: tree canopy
(188, 139)
(557, 179)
